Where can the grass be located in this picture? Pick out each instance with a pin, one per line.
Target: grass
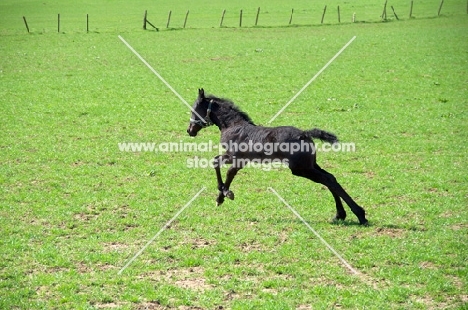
(75, 209)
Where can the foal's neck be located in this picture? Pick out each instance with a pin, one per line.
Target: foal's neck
(232, 121)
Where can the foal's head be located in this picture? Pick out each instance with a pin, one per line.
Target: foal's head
(201, 111)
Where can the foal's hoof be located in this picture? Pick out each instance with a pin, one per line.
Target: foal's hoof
(339, 217)
(364, 222)
(219, 200)
(230, 195)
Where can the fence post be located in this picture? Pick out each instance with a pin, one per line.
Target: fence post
(222, 18)
(323, 15)
(394, 13)
(26, 23)
(186, 16)
(256, 19)
(240, 19)
(440, 7)
(58, 23)
(384, 13)
(292, 12)
(168, 19)
(339, 18)
(87, 23)
(144, 19)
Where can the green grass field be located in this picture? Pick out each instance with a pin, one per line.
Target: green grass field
(74, 208)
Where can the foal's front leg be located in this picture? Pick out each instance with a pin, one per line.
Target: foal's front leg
(224, 187)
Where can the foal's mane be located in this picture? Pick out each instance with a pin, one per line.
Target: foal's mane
(230, 109)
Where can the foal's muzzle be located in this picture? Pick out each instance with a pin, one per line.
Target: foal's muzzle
(193, 129)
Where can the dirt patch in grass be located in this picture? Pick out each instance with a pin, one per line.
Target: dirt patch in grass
(447, 214)
(44, 291)
(438, 191)
(452, 302)
(85, 217)
(427, 301)
(283, 237)
(271, 291)
(251, 246)
(114, 247)
(460, 226)
(149, 305)
(458, 283)
(428, 265)
(182, 272)
(199, 243)
(82, 267)
(323, 281)
(195, 284)
(390, 232)
(189, 278)
(233, 295)
(110, 305)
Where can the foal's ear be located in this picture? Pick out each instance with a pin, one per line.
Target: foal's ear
(201, 93)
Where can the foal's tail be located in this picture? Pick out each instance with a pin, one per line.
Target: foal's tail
(322, 135)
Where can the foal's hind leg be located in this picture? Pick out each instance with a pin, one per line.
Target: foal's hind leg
(321, 176)
(327, 179)
(340, 211)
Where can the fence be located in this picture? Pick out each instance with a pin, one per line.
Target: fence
(258, 17)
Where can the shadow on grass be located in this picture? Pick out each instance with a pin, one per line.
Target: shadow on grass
(409, 227)
(350, 223)
(314, 223)
(377, 225)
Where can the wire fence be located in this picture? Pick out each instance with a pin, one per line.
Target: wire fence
(232, 17)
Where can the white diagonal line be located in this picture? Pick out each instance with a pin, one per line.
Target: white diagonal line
(354, 271)
(161, 230)
(161, 78)
(311, 80)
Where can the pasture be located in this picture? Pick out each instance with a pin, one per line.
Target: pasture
(75, 209)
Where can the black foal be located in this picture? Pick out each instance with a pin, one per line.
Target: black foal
(245, 142)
